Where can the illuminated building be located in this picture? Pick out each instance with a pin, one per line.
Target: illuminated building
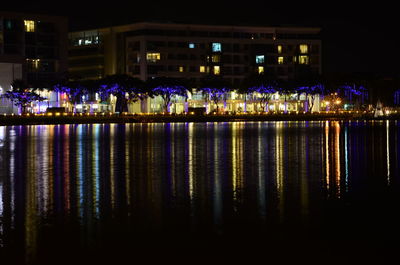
(32, 48)
(149, 50)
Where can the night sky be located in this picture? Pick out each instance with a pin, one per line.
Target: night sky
(356, 37)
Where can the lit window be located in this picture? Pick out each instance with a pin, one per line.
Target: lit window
(191, 45)
(261, 69)
(215, 58)
(217, 70)
(153, 57)
(33, 64)
(303, 59)
(29, 25)
(216, 47)
(279, 49)
(259, 58)
(202, 69)
(181, 69)
(303, 48)
(280, 60)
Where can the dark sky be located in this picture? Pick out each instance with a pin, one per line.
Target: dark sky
(356, 37)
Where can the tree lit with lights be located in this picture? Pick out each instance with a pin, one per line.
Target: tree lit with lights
(22, 95)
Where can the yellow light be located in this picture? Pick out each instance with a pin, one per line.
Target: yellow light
(338, 102)
(279, 49)
(57, 113)
(217, 70)
(202, 69)
(153, 57)
(49, 114)
(303, 48)
(29, 25)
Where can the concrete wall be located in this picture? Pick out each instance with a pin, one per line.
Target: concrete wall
(8, 73)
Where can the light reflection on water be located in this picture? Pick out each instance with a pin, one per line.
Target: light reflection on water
(184, 177)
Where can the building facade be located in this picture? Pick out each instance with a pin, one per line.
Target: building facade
(149, 50)
(33, 48)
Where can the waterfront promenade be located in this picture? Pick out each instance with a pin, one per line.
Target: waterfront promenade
(69, 118)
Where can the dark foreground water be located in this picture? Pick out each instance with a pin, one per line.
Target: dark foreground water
(320, 192)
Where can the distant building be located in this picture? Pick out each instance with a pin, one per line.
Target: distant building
(180, 50)
(33, 48)
(147, 50)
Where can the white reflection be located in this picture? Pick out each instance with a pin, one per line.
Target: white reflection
(2, 135)
(79, 179)
(112, 182)
(261, 177)
(327, 155)
(66, 167)
(337, 158)
(96, 169)
(387, 153)
(128, 128)
(191, 160)
(12, 174)
(217, 182)
(346, 158)
(279, 165)
(235, 153)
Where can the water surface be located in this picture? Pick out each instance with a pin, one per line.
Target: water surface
(72, 194)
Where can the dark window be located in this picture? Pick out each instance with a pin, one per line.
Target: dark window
(154, 69)
(226, 58)
(136, 70)
(30, 38)
(182, 57)
(45, 27)
(134, 45)
(281, 71)
(30, 52)
(181, 44)
(315, 49)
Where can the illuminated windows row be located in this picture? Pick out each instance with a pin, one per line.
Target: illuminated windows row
(302, 59)
(303, 48)
(216, 70)
(153, 57)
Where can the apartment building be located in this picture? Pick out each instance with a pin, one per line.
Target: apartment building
(33, 48)
(147, 50)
